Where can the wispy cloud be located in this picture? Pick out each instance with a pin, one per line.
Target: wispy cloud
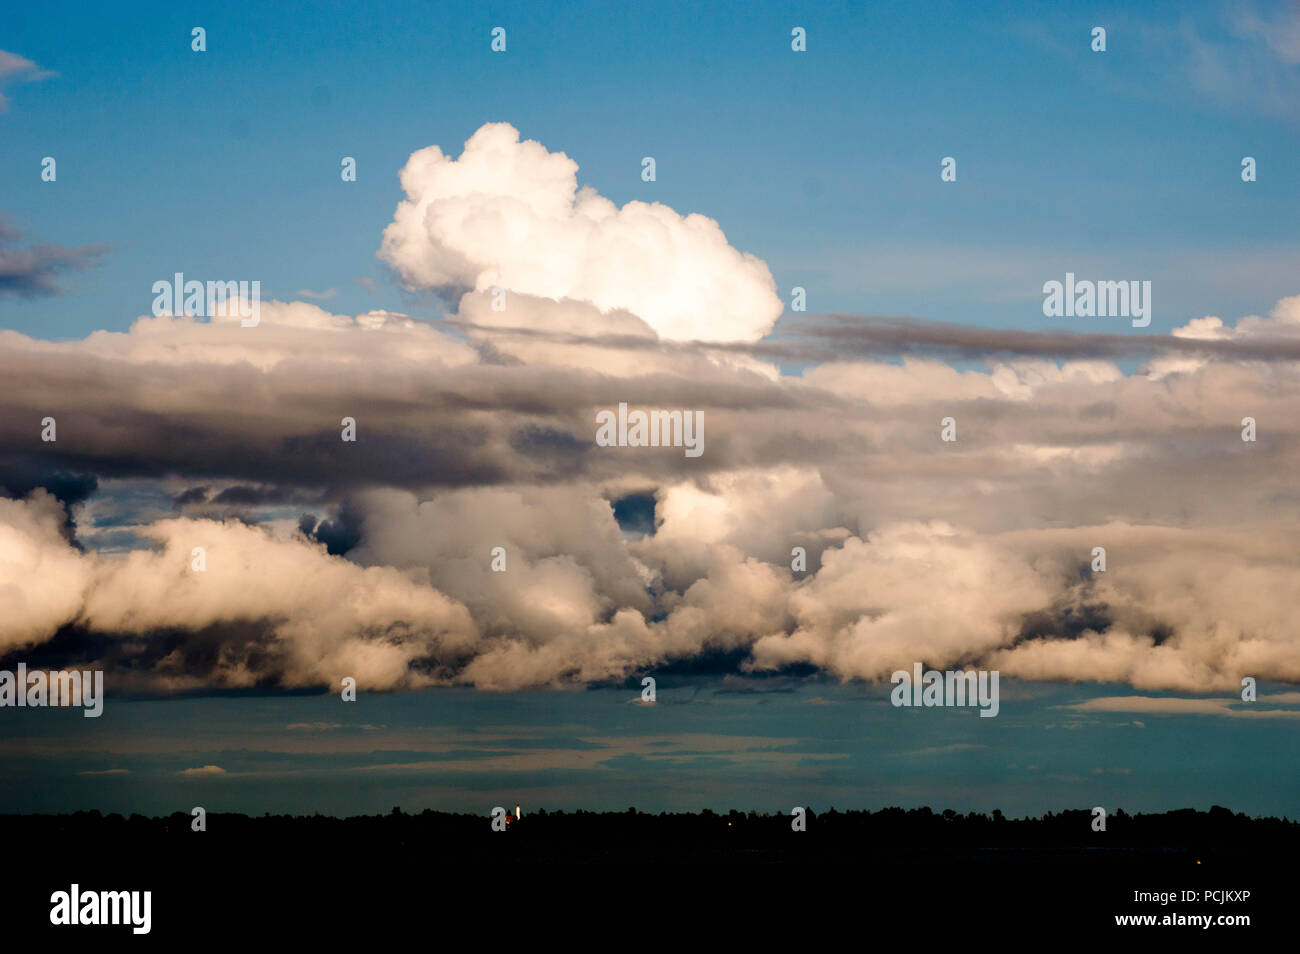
(18, 69)
(1239, 56)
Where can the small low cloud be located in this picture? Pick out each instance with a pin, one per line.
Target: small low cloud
(325, 295)
(945, 749)
(34, 270)
(115, 771)
(1169, 705)
(203, 770)
(327, 726)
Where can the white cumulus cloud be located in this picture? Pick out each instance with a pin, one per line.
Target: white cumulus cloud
(509, 214)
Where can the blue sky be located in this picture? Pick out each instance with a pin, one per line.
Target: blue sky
(824, 164)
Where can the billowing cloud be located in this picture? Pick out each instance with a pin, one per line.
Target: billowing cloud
(509, 214)
(41, 576)
(375, 558)
(257, 609)
(953, 554)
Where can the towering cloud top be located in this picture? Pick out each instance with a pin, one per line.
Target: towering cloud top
(509, 214)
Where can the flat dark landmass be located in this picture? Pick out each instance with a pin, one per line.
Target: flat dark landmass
(746, 872)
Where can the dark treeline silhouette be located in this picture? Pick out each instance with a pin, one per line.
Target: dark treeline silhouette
(1054, 870)
(740, 836)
